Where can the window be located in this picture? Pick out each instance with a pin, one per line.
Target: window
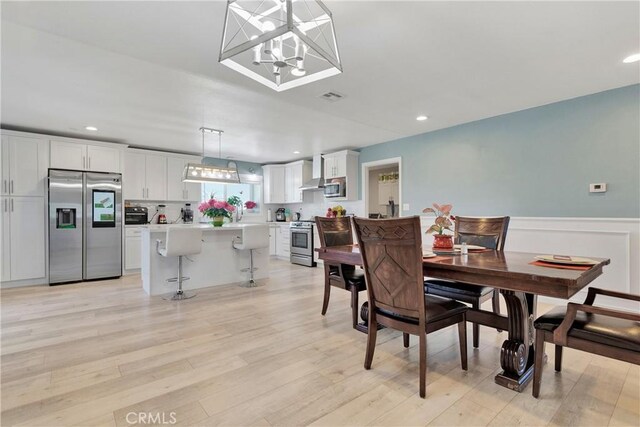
(246, 192)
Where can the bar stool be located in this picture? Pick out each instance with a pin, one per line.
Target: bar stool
(180, 242)
(253, 237)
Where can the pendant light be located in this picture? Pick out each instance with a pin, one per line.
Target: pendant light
(200, 172)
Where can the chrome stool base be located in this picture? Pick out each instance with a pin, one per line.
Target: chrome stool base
(250, 284)
(179, 295)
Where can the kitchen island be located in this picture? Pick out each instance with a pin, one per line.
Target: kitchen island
(218, 263)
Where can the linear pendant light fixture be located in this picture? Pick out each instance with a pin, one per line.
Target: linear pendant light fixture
(198, 172)
(280, 43)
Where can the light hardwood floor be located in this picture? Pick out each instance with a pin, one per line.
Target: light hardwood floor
(96, 353)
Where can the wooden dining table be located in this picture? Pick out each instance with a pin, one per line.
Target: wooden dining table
(519, 281)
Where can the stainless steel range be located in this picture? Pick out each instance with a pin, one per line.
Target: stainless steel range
(302, 242)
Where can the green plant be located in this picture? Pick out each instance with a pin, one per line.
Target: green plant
(443, 218)
(235, 201)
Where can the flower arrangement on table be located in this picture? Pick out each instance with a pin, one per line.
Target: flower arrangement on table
(217, 210)
(250, 205)
(441, 223)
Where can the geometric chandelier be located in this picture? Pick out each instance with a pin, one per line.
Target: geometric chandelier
(280, 43)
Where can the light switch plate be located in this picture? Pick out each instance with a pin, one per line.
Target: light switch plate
(405, 206)
(598, 188)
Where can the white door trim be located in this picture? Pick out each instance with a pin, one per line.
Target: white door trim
(365, 180)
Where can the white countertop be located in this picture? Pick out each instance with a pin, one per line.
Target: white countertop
(161, 228)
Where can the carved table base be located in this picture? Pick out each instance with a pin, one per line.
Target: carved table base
(517, 353)
(364, 315)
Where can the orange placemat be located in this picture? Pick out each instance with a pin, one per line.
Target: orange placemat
(561, 266)
(436, 258)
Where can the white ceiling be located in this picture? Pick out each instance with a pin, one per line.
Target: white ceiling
(146, 73)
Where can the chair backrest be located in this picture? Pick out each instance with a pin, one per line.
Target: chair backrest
(334, 231)
(392, 257)
(254, 237)
(183, 241)
(490, 232)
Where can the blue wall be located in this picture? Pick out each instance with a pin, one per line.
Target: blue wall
(537, 162)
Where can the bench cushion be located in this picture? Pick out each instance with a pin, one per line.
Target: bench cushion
(605, 330)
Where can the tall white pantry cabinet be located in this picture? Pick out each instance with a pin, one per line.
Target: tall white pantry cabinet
(23, 217)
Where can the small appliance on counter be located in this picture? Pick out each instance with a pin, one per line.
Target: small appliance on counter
(162, 216)
(136, 215)
(187, 214)
(281, 215)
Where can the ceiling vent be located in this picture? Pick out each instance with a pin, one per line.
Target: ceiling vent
(332, 96)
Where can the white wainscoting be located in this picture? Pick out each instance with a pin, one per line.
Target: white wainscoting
(615, 238)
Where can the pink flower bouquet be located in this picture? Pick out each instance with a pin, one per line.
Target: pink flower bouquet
(249, 204)
(216, 208)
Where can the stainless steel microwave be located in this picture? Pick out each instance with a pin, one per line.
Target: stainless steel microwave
(334, 189)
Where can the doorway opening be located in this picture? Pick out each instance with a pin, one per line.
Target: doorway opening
(382, 188)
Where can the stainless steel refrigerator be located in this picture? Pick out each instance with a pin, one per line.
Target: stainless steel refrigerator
(85, 225)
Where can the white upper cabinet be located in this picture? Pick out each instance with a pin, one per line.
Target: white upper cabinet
(296, 174)
(344, 165)
(145, 176)
(68, 155)
(274, 183)
(77, 156)
(24, 166)
(103, 159)
(156, 177)
(282, 182)
(134, 186)
(335, 165)
(176, 189)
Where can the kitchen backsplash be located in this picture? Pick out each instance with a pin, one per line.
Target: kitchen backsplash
(315, 204)
(172, 211)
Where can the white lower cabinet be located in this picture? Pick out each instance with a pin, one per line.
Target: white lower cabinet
(283, 242)
(279, 241)
(273, 230)
(132, 248)
(23, 238)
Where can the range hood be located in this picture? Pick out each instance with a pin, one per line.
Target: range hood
(317, 180)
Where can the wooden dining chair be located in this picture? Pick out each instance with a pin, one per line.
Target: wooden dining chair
(489, 232)
(338, 232)
(392, 256)
(598, 330)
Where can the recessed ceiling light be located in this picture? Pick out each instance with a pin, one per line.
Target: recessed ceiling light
(632, 58)
(421, 118)
(91, 128)
(296, 152)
